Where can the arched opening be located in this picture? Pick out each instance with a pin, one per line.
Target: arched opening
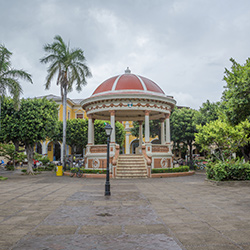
(56, 151)
(156, 141)
(133, 146)
(39, 148)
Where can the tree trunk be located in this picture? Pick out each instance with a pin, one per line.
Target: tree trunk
(64, 125)
(72, 155)
(30, 154)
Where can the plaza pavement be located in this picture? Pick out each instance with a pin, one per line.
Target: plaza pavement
(49, 212)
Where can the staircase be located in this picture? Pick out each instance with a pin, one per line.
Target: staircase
(131, 166)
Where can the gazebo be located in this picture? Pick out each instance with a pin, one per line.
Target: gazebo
(129, 97)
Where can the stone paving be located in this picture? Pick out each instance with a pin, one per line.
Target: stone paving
(49, 212)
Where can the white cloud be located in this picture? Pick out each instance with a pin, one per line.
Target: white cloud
(182, 45)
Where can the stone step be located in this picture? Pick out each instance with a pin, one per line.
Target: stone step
(124, 165)
(132, 169)
(131, 177)
(131, 166)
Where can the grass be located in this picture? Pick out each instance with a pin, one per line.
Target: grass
(3, 178)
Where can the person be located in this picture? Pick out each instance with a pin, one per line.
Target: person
(34, 163)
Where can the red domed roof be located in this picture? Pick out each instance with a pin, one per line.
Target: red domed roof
(128, 83)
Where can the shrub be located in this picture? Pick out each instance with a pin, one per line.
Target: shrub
(230, 170)
(3, 178)
(10, 167)
(24, 170)
(171, 170)
(88, 171)
(50, 167)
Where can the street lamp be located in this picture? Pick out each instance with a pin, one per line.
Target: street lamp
(108, 130)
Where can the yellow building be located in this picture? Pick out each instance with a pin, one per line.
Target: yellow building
(74, 111)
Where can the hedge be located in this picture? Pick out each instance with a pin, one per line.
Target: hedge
(171, 170)
(88, 171)
(230, 170)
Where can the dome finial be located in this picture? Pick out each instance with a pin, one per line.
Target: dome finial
(127, 71)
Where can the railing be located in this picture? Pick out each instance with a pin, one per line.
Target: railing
(98, 149)
(160, 148)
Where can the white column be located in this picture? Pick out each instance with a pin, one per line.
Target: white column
(112, 123)
(90, 128)
(162, 131)
(168, 138)
(93, 131)
(44, 146)
(147, 130)
(140, 137)
(127, 148)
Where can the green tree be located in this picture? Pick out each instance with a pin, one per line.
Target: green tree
(77, 132)
(236, 95)
(9, 78)
(154, 126)
(209, 111)
(33, 122)
(222, 137)
(8, 151)
(183, 128)
(70, 67)
(100, 134)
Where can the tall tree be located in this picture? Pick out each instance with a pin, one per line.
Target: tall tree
(223, 137)
(183, 127)
(33, 122)
(209, 111)
(70, 67)
(236, 95)
(9, 77)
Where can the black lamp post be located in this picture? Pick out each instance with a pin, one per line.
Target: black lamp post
(108, 130)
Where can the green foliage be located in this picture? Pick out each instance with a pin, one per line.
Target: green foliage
(171, 170)
(77, 132)
(236, 96)
(33, 122)
(154, 125)
(100, 134)
(229, 170)
(221, 136)
(3, 178)
(10, 167)
(183, 128)
(41, 158)
(9, 77)
(87, 171)
(208, 112)
(8, 151)
(50, 167)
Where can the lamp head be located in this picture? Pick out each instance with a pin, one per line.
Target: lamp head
(108, 129)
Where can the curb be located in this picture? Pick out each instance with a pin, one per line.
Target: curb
(167, 175)
(160, 175)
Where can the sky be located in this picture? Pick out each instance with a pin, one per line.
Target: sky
(182, 45)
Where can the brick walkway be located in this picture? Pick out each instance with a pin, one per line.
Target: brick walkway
(49, 212)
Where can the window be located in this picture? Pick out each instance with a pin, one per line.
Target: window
(79, 116)
(68, 115)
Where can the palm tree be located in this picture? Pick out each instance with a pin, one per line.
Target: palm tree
(69, 65)
(9, 77)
